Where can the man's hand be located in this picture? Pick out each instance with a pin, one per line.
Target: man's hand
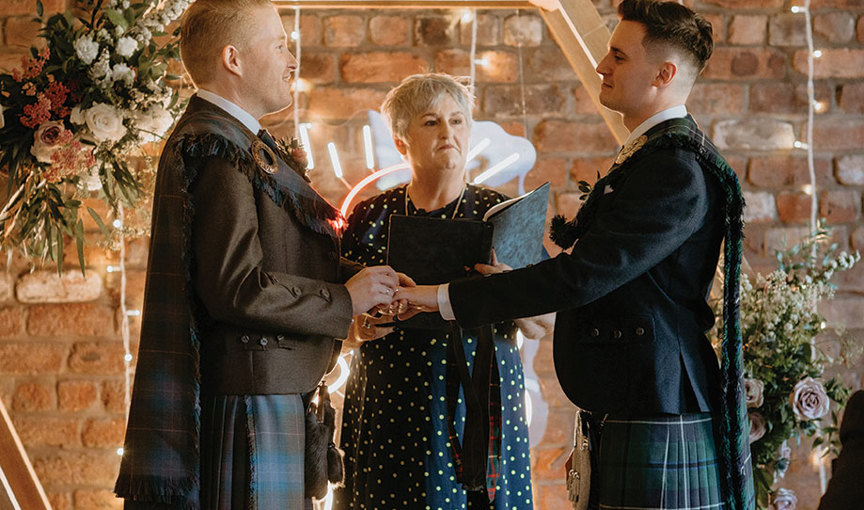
(365, 328)
(421, 298)
(371, 287)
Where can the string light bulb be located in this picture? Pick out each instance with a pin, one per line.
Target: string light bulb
(467, 16)
(817, 53)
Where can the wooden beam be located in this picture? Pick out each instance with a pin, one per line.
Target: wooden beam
(20, 487)
(583, 37)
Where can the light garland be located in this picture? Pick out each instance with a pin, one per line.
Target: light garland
(812, 106)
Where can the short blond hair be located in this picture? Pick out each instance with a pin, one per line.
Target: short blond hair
(208, 26)
(417, 93)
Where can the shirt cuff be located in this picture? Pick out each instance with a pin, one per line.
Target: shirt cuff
(444, 307)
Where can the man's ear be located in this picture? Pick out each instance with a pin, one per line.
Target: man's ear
(667, 71)
(401, 146)
(230, 60)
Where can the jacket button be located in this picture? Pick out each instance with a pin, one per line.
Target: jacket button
(295, 290)
(616, 333)
(279, 338)
(263, 341)
(640, 331)
(325, 293)
(595, 332)
(244, 339)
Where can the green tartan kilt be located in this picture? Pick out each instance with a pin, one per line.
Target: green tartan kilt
(665, 462)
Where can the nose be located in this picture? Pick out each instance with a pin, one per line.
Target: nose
(292, 61)
(603, 66)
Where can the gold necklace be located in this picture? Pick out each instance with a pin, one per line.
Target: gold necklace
(455, 209)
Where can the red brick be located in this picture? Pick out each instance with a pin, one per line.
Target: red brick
(344, 31)
(859, 29)
(583, 103)
(136, 253)
(587, 169)
(435, 31)
(748, 29)
(77, 468)
(10, 58)
(33, 396)
(787, 171)
(793, 207)
(850, 170)
(135, 281)
(745, 63)
(753, 133)
(114, 395)
(549, 464)
(31, 358)
(718, 26)
(746, 4)
(780, 97)
(583, 137)
(59, 500)
(16, 7)
(844, 310)
(46, 286)
(787, 30)
(568, 204)
(547, 63)
(22, 31)
(783, 238)
(97, 358)
(71, 319)
(858, 240)
(852, 97)
(553, 170)
(840, 206)
(515, 128)
(380, 67)
(506, 100)
(389, 30)
(502, 66)
(835, 27)
(12, 321)
(851, 280)
(318, 67)
(523, 30)
(488, 30)
(838, 134)
(552, 496)
(761, 207)
(92, 499)
(717, 98)
(834, 63)
(47, 431)
(559, 427)
(75, 395)
(104, 433)
(339, 103)
(836, 4)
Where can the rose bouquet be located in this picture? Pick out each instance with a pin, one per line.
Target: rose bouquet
(783, 364)
(71, 116)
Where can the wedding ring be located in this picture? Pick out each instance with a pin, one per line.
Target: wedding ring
(366, 324)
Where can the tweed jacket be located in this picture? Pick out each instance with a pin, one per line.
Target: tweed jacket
(242, 296)
(630, 332)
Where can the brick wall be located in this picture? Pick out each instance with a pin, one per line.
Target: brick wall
(61, 357)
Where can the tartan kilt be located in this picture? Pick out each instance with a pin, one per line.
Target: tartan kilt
(666, 462)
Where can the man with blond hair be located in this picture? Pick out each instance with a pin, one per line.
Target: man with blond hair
(243, 301)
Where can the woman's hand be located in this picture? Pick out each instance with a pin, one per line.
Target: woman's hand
(366, 328)
(494, 267)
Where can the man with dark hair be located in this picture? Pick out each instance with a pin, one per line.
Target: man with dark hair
(244, 300)
(631, 295)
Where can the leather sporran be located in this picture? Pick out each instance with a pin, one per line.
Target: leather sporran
(323, 461)
(579, 471)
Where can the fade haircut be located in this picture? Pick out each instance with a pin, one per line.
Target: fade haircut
(419, 92)
(674, 26)
(208, 26)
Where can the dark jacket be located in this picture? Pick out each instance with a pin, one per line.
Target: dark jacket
(846, 490)
(630, 331)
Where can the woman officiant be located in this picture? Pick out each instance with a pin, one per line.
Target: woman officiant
(399, 452)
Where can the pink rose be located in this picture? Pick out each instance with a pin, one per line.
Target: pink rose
(809, 400)
(757, 426)
(46, 140)
(753, 390)
(785, 499)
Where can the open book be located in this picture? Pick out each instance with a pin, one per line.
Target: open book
(436, 250)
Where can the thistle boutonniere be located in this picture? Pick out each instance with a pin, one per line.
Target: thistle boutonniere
(585, 187)
(294, 154)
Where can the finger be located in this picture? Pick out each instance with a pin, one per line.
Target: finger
(486, 269)
(494, 258)
(405, 280)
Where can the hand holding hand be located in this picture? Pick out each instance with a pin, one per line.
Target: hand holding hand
(373, 286)
(421, 298)
(365, 328)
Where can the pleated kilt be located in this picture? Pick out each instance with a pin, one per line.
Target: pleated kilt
(667, 462)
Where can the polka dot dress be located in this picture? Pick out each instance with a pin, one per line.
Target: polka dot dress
(394, 429)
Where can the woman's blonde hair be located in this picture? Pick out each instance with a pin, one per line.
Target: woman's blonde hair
(417, 93)
(208, 26)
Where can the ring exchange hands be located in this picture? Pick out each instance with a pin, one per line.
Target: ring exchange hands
(375, 287)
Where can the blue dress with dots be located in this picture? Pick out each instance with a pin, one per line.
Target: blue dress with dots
(394, 430)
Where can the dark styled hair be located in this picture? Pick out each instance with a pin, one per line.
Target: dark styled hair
(672, 25)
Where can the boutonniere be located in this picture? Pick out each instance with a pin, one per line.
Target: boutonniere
(585, 187)
(630, 149)
(294, 153)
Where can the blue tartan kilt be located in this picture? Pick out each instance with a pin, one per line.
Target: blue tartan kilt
(666, 462)
(252, 452)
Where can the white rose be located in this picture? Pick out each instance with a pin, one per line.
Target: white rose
(785, 499)
(124, 73)
(86, 49)
(46, 140)
(126, 46)
(784, 454)
(104, 122)
(809, 400)
(153, 123)
(753, 391)
(757, 426)
(76, 116)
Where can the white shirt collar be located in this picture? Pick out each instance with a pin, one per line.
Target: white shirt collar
(235, 111)
(676, 112)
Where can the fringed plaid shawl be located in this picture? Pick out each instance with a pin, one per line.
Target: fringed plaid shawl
(161, 455)
(733, 428)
